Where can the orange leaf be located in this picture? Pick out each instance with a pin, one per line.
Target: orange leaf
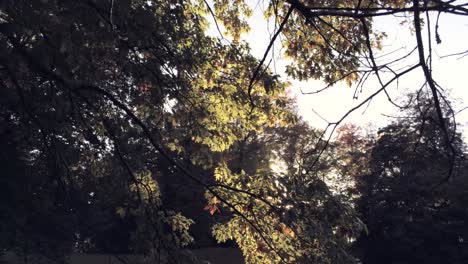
(212, 208)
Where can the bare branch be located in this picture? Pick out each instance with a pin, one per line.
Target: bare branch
(270, 45)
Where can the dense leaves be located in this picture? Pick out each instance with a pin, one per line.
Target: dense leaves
(411, 217)
(94, 99)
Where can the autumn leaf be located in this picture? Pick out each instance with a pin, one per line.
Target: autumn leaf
(288, 231)
(212, 208)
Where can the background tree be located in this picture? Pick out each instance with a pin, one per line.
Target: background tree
(300, 219)
(410, 216)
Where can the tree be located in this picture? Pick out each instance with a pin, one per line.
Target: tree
(299, 219)
(410, 216)
(113, 108)
(334, 41)
(106, 104)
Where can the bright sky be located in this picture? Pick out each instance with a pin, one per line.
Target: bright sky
(333, 103)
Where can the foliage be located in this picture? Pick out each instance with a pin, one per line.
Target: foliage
(96, 100)
(117, 117)
(329, 48)
(289, 214)
(411, 217)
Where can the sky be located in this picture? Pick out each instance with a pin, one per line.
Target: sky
(331, 104)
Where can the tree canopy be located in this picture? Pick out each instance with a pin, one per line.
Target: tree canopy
(127, 128)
